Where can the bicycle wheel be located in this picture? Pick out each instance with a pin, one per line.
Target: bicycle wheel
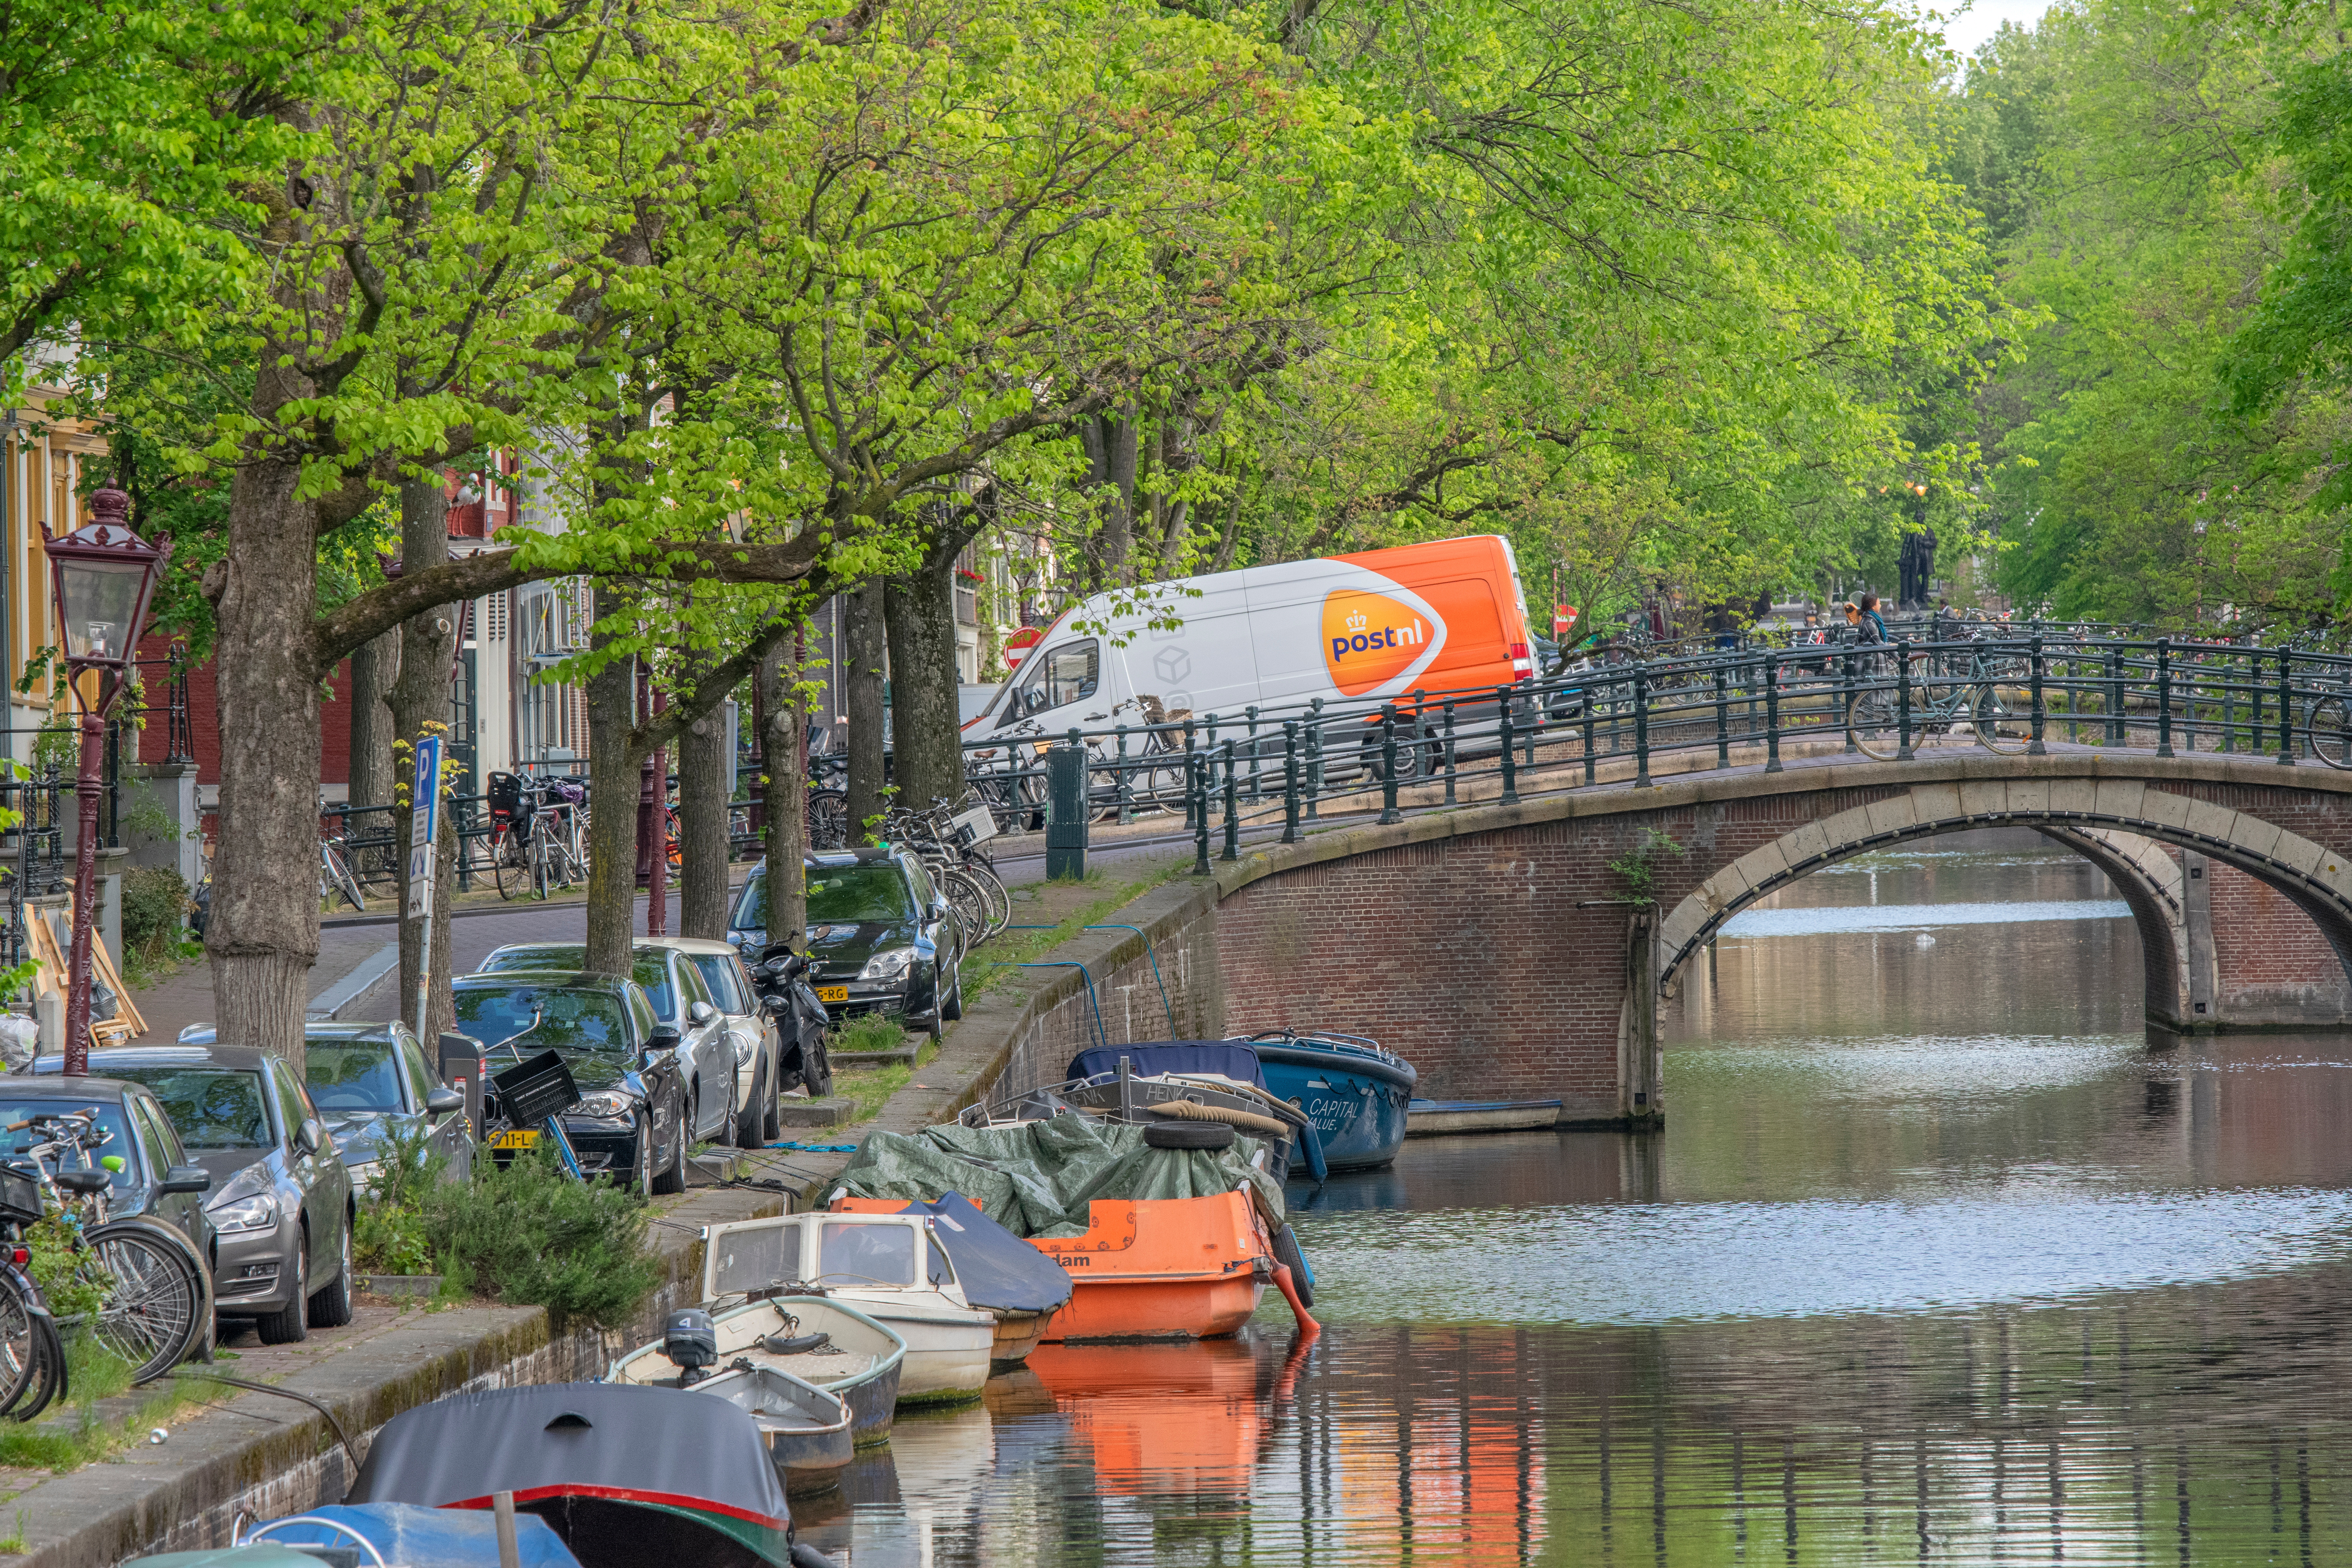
(971, 906)
(340, 883)
(48, 1380)
(1999, 727)
(153, 1310)
(999, 902)
(1872, 724)
(542, 856)
(19, 1339)
(509, 862)
(2328, 726)
(828, 819)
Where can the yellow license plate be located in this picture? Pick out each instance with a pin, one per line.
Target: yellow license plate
(832, 993)
(514, 1141)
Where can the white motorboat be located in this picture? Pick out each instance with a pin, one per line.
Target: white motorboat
(828, 1343)
(889, 1267)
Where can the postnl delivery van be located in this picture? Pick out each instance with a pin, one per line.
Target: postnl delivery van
(1443, 616)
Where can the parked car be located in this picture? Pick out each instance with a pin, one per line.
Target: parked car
(881, 938)
(705, 1049)
(281, 1203)
(157, 1178)
(762, 1073)
(632, 1118)
(365, 1078)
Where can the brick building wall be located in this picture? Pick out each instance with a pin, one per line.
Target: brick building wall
(205, 719)
(2268, 952)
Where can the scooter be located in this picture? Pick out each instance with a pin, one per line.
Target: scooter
(802, 1021)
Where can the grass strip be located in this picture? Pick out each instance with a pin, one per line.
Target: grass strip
(75, 1434)
(1001, 955)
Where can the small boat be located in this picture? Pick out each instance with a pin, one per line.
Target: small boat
(1354, 1092)
(889, 1267)
(1172, 1080)
(818, 1341)
(809, 1432)
(998, 1272)
(1157, 1269)
(400, 1532)
(1436, 1118)
(624, 1475)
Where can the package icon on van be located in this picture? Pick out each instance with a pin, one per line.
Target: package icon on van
(1370, 640)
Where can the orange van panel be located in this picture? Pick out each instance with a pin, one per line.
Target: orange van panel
(1466, 582)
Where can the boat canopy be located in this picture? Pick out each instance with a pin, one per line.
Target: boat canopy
(996, 1269)
(1038, 1178)
(667, 1450)
(1235, 1059)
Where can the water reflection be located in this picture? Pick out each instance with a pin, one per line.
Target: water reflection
(1937, 1261)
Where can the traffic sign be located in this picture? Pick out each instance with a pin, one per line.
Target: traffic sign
(425, 827)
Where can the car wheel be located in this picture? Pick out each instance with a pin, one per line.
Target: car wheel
(641, 1175)
(746, 1122)
(332, 1307)
(289, 1325)
(672, 1178)
(951, 1009)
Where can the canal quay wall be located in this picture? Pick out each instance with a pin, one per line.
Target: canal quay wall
(265, 1456)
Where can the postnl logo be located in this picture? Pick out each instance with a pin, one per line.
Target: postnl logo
(1368, 639)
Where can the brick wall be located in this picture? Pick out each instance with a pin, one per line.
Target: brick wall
(2269, 955)
(204, 721)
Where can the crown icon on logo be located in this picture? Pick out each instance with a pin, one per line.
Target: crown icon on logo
(1355, 620)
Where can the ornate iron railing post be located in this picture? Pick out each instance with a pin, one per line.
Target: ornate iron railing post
(1903, 753)
(2286, 706)
(2164, 697)
(1591, 762)
(1196, 792)
(1641, 727)
(1389, 812)
(1253, 795)
(1771, 713)
(1190, 755)
(1722, 716)
(1233, 805)
(1314, 758)
(1120, 781)
(2117, 712)
(1503, 733)
(1449, 751)
(2035, 748)
(1290, 781)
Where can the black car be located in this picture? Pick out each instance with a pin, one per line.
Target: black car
(631, 1117)
(881, 938)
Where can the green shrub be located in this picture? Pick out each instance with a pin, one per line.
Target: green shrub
(867, 1031)
(530, 1235)
(391, 1235)
(154, 905)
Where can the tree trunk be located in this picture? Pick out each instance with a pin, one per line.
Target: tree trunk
(862, 660)
(263, 933)
(1110, 440)
(374, 666)
(784, 787)
(429, 644)
(927, 759)
(702, 825)
(613, 787)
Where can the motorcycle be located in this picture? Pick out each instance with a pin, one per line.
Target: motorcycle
(802, 1021)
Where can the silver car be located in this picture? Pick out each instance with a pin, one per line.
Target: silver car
(365, 1078)
(759, 1061)
(281, 1202)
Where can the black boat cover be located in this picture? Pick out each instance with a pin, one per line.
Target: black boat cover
(1227, 1058)
(996, 1269)
(671, 1452)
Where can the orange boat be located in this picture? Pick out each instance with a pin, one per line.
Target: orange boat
(1161, 1269)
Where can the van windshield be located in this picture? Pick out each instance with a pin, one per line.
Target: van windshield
(1070, 672)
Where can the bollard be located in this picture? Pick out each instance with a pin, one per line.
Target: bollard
(1314, 758)
(1290, 781)
(1722, 717)
(1253, 794)
(2164, 697)
(2114, 695)
(2035, 748)
(1232, 806)
(1503, 732)
(1190, 755)
(1449, 751)
(1641, 727)
(1120, 782)
(1771, 713)
(1903, 753)
(1066, 811)
(1196, 790)
(1389, 812)
(2286, 708)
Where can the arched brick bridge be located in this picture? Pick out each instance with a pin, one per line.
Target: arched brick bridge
(1492, 944)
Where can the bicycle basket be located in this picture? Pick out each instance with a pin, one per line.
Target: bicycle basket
(564, 791)
(972, 827)
(20, 1196)
(531, 1092)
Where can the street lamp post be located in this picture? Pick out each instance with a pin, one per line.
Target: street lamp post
(104, 575)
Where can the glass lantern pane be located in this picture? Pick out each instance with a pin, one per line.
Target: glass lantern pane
(98, 600)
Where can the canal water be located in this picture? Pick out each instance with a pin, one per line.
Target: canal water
(1937, 1261)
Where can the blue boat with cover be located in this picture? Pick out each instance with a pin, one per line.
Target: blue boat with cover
(1355, 1093)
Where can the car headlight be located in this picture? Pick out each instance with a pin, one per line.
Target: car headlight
(258, 1212)
(887, 965)
(606, 1105)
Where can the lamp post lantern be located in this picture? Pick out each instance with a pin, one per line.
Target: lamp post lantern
(104, 575)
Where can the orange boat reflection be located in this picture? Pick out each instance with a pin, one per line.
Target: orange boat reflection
(1176, 1419)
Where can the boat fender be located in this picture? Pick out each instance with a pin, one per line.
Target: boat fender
(1288, 1254)
(1316, 1165)
(798, 1344)
(1193, 1110)
(1290, 1290)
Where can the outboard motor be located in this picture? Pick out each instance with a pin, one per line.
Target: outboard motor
(691, 1343)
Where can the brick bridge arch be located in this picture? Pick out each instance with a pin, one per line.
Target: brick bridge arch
(1520, 970)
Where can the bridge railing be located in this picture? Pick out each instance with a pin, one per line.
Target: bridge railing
(1298, 764)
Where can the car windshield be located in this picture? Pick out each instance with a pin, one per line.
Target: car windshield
(110, 1122)
(648, 970)
(569, 1020)
(214, 1108)
(352, 1075)
(843, 894)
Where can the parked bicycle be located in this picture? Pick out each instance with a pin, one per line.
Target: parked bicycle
(335, 877)
(1988, 702)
